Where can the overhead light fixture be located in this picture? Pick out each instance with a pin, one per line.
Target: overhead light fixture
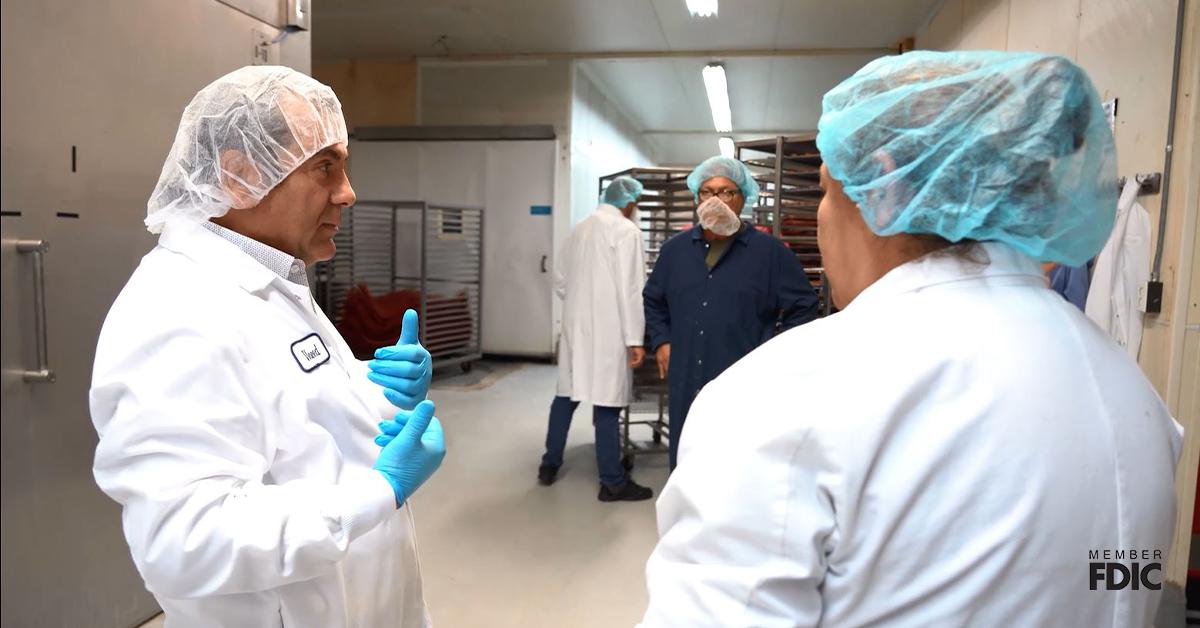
(702, 8)
(718, 97)
(726, 146)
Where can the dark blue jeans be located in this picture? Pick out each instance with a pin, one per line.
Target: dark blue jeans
(606, 419)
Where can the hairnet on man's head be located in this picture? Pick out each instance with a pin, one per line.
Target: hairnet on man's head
(990, 146)
(622, 191)
(240, 137)
(729, 168)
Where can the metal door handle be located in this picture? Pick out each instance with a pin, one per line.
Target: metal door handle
(544, 258)
(37, 249)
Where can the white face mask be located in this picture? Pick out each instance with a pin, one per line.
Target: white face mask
(718, 218)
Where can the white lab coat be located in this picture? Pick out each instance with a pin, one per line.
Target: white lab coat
(246, 482)
(1121, 269)
(600, 276)
(944, 452)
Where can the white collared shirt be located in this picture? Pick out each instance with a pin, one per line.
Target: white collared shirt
(280, 263)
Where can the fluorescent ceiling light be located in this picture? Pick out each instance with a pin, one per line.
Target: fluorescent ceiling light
(718, 97)
(726, 146)
(702, 8)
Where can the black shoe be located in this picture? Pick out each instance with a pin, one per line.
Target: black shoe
(627, 491)
(547, 475)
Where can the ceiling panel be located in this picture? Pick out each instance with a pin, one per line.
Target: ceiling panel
(850, 23)
(352, 29)
(689, 149)
(764, 92)
(750, 86)
(739, 24)
(654, 92)
(775, 94)
(797, 86)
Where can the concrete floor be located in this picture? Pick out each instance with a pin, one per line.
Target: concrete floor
(497, 549)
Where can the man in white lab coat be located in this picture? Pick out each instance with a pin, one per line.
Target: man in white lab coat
(236, 427)
(958, 446)
(599, 275)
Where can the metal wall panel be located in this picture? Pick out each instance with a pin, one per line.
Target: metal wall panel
(91, 100)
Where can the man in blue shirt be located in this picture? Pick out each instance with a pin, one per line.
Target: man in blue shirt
(719, 289)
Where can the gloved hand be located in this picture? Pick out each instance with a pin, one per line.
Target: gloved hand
(404, 369)
(412, 452)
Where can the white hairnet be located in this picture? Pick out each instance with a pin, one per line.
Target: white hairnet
(240, 137)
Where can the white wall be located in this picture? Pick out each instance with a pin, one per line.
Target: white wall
(603, 141)
(495, 93)
(500, 94)
(506, 94)
(594, 137)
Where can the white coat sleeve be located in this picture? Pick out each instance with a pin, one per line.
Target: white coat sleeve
(562, 267)
(188, 458)
(631, 278)
(744, 523)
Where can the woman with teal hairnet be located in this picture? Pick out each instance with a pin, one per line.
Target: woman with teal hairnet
(950, 446)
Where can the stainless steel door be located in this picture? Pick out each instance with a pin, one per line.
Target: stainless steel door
(91, 100)
(65, 562)
(19, 528)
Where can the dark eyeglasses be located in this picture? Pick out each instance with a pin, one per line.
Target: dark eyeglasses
(726, 195)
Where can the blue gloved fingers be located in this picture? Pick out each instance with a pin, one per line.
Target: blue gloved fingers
(410, 387)
(418, 421)
(405, 369)
(434, 437)
(412, 456)
(392, 428)
(406, 353)
(410, 329)
(389, 429)
(398, 368)
(401, 400)
(408, 347)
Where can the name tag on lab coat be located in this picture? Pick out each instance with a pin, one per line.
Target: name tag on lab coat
(310, 352)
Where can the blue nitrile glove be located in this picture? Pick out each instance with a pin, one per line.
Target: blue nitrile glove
(414, 453)
(404, 369)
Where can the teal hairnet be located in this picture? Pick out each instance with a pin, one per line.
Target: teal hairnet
(729, 168)
(622, 191)
(988, 146)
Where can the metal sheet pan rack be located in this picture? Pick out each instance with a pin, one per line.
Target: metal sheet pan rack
(665, 208)
(393, 255)
(788, 169)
